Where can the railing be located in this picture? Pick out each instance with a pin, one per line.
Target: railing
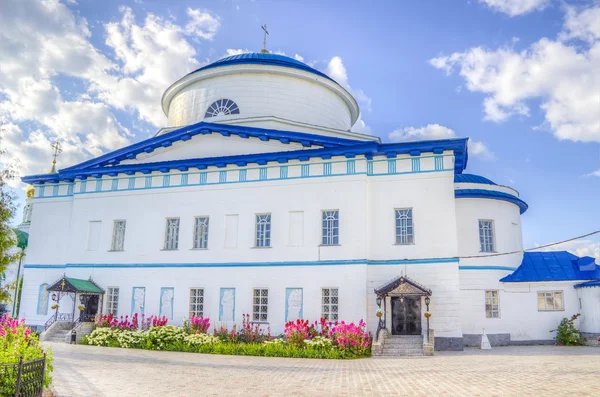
(58, 317)
(23, 379)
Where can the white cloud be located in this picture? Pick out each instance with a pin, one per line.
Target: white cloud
(40, 40)
(436, 131)
(578, 247)
(337, 71)
(595, 173)
(516, 7)
(581, 24)
(563, 77)
(202, 24)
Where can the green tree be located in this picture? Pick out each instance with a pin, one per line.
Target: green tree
(8, 253)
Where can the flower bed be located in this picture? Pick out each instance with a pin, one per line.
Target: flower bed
(320, 339)
(17, 340)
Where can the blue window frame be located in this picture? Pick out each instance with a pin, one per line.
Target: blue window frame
(330, 227)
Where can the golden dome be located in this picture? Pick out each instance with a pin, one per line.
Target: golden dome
(30, 191)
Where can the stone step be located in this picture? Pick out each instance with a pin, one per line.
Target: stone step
(403, 342)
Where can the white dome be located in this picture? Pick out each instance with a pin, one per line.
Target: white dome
(247, 87)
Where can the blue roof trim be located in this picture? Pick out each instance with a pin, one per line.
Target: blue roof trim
(493, 195)
(107, 164)
(263, 59)
(471, 178)
(588, 284)
(550, 266)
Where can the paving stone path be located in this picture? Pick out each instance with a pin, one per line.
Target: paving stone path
(505, 371)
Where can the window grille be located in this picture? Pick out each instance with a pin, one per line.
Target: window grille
(118, 236)
(222, 107)
(172, 234)
(196, 302)
(201, 232)
(405, 232)
(260, 304)
(492, 305)
(263, 230)
(331, 227)
(329, 302)
(112, 300)
(486, 235)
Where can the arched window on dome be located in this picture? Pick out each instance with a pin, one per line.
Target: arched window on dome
(222, 107)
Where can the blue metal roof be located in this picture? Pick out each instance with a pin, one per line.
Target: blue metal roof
(263, 59)
(491, 194)
(471, 178)
(551, 266)
(588, 284)
(110, 163)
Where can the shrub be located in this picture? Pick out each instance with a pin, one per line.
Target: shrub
(160, 337)
(351, 337)
(567, 334)
(224, 335)
(296, 332)
(130, 339)
(17, 340)
(200, 339)
(197, 325)
(103, 336)
(252, 332)
(319, 342)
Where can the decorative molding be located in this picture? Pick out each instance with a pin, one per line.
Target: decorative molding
(225, 176)
(246, 264)
(492, 195)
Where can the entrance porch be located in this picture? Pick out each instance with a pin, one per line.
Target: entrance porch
(403, 332)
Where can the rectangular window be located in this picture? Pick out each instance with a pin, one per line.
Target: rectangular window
(118, 236)
(486, 235)
(172, 234)
(263, 230)
(492, 305)
(550, 301)
(94, 229)
(331, 227)
(196, 302)
(112, 300)
(329, 303)
(260, 304)
(201, 232)
(405, 231)
(231, 231)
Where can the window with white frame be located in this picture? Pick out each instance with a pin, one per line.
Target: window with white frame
(263, 230)
(331, 227)
(112, 300)
(172, 234)
(486, 235)
(201, 232)
(260, 304)
(196, 302)
(118, 236)
(550, 301)
(405, 232)
(329, 303)
(492, 304)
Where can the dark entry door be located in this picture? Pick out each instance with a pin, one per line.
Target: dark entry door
(91, 308)
(406, 316)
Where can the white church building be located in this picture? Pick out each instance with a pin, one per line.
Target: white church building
(257, 198)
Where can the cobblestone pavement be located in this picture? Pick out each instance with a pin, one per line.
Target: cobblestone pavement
(504, 371)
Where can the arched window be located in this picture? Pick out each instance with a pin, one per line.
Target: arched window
(42, 307)
(222, 107)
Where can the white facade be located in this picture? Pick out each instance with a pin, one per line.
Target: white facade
(230, 177)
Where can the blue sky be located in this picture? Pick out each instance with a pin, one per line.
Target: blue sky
(516, 76)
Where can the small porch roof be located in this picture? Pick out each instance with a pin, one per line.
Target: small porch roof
(77, 285)
(402, 286)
